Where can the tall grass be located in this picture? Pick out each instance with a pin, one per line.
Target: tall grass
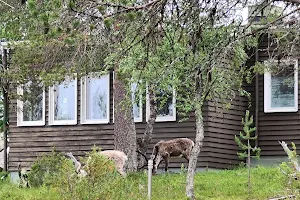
(217, 185)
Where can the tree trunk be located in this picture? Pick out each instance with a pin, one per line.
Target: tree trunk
(124, 126)
(198, 145)
(143, 143)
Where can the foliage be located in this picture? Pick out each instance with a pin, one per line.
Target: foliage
(99, 167)
(248, 137)
(49, 168)
(215, 185)
(3, 175)
(57, 172)
(292, 176)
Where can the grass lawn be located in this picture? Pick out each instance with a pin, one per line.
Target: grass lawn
(267, 182)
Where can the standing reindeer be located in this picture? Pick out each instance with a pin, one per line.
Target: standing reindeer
(172, 148)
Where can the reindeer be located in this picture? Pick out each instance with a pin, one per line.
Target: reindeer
(172, 148)
(118, 157)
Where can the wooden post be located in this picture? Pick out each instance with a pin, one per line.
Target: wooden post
(150, 167)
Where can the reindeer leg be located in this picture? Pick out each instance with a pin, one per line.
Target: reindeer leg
(186, 155)
(121, 171)
(166, 159)
(156, 163)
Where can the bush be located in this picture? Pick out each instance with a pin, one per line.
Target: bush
(57, 172)
(99, 167)
(102, 178)
(3, 175)
(48, 168)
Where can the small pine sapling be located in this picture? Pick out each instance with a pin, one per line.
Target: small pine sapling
(247, 136)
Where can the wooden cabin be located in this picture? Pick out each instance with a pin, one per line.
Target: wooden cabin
(72, 120)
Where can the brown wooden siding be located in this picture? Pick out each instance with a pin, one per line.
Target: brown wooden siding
(26, 143)
(222, 126)
(273, 127)
(219, 150)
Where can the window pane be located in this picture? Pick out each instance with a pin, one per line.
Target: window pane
(32, 102)
(97, 95)
(136, 104)
(64, 101)
(282, 89)
(165, 103)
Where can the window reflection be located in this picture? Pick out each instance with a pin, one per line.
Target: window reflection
(136, 101)
(97, 97)
(282, 88)
(64, 101)
(32, 102)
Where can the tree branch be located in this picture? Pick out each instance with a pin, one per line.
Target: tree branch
(291, 156)
(290, 1)
(77, 164)
(271, 23)
(124, 9)
(7, 4)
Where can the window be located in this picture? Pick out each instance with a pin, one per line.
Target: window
(95, 99)
(166, 105)
(137, 109)
(63, 103)
(31, 106)
(281, 86)
(137, 104)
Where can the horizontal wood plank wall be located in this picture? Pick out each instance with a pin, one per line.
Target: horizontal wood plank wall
(26, 143)
(274, 127)
(223, 125)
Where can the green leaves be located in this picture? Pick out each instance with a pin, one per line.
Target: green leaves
(108, 22)
(31, 4)
(131, 16)
(71, 4)
(101, 9)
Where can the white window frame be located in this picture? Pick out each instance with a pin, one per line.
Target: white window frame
(51, 107)
(20, 116)
(267, 90)
(83, 97)
(136, 119)
(161, 118)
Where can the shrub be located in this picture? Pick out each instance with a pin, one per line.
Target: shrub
(3, 175)
(99, 167)
(47, 169)
(100, 182)
(57, 173)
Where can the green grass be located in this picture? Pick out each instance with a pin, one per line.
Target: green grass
(267, 182)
